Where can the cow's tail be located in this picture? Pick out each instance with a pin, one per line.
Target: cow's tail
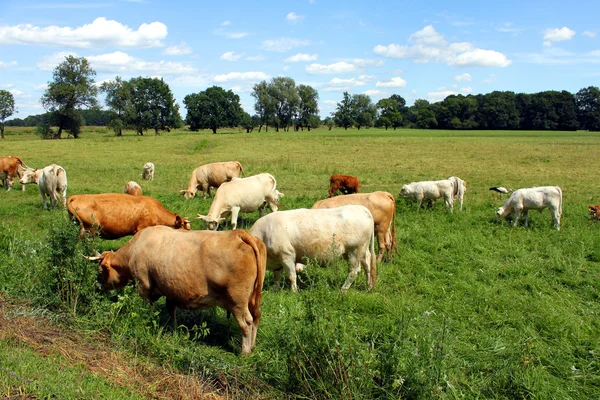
(559, 201)
(241, 170)
(260, 252)
(455, 188)
(391, 233)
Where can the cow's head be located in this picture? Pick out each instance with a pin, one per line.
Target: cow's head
(594, 211)
(500, 212)
(27, 175)
(209, 223)
(109, 276)
(187, 194)
(182, 223)
(404, 191)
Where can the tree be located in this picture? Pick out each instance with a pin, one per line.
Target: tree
(588, 108)
(343, 113)
(212, 109)
(71, 90)
(422, 115)
(363, 110)
(308, 109)
(498, 110)
(249, 122)
(263, 105)
(328, 122)
(154, 105)
(388, 113)
(7, 108)
(285, 99)
(118, 99)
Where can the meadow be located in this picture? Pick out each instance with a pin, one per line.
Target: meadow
(469, 307)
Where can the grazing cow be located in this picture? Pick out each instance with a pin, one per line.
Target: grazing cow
(242, 194)
(346, 184)
(322, 234)
(148, 171)
(52, 182)
(430, 190)
(212, 175)
(460, 187)
(193, 270)
(382, 206)
(595, 212)
(536, 198)
(10, 167)
(133, 188)
(114, 215)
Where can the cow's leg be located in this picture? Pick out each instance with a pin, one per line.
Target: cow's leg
(9, 183)
(172, 310)
(419, 202)
(277, 278)
(381, 241)
(289, 266)
(234, 215)
(353, 270)
(449, 202)
(43, 198)
(525, 217)
(556, 218)
(245, 321)
(517, 215)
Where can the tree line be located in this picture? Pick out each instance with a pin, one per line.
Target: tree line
(144, 104)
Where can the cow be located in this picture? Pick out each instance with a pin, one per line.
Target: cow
(115, 215)
(133, 188)
(245, 195)
(460, 187)
(148, 171)
(346, 184)
(382, 206)
(430, 190)
(212, 175)
(193, 270)
(595, 212)
(325, 235)
(535, 198)
(51, 181)
(10, 167)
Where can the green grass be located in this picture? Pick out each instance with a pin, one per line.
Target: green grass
(470, 307)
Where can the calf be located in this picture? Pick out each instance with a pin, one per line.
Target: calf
(323, 234)
(114, 215)
(430, 190)
(193, 270)
(52, 182)
(10, 167)
(212, 175)
(536, 198)
(148, 171)
(595, 212)
(382, 206)
(133, 188)
(347, 184)
(245, 195)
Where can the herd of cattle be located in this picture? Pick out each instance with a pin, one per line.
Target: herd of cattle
(198, 269)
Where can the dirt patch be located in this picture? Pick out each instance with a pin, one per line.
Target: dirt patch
(139, 375)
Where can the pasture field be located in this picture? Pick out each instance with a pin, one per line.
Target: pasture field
(470, 307)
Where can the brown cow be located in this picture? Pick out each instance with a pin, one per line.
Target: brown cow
(114, 215)
(595, 212)
(10, 167)
(212, 175)
(346, 184)
(133, 188)
(382, 206)
(195, 269)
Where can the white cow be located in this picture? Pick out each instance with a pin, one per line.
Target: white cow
(52, 182)
(212, 175)
(148, 171)
(323, 234)
(460, 187)
(242, 194)
(430, 190)
(535, 198)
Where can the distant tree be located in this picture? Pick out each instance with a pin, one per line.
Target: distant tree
(154, 105)
(588, 108)
(7, 108)
(329, 123)
(343, 113)
(285, 100)
(388, 113)
(498, 110)
(308, 108)
(248, 122)
(264, 104)
(119, 95)
(71, 90)
(363, 110)
(212, 109)
(422, 116)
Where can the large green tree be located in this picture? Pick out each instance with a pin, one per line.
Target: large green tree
(154, 105)
(285, 100)
(388, 113)
(118, 99)
(7, 108)
(588, 108)
(308, 109)
(343, 113)
(363, 111)
(71, 90)
(212, 109)
(422, 116)
(264, 104)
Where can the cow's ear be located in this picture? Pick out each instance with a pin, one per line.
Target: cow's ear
(202, 217)
(182, 192)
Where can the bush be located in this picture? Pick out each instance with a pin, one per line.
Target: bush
(44, 131)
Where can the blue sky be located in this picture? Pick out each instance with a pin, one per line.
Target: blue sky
(420, 50)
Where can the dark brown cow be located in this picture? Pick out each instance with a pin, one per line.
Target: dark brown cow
(114, 215)
(193, 270)
(10, 167)
(595, 212)
(346, 184)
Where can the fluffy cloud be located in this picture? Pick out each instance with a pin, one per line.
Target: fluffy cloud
(557, 35)
(100, 33)
(429, 45)
(293, 17)
(302, 57)
(230, 56)
(341, 67)
(442, 93)
(283, 44)
(374, 93)
(178, 50)
(7, 64)
(394, 82)
(463, 77)
(241, 76)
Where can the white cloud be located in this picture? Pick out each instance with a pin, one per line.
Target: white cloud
(241, 76)
(466, 89)
(463, 77)
(178, 50)
(302, 57)
(230, 56)
(589, 34)
(283, 44)
(374, 93)
(293, 17)
(342, 85)
(100, 33)
(225, 23)
(7, 64)
(556, 35)
(394, 82)
(16, 92)
(429, 45)
(48, 63)
(256, 58)
(236, 35)
(341, 67)
(364, 63)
